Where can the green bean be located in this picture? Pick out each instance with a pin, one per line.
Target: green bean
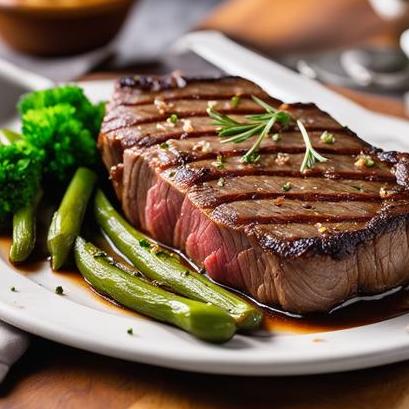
(67, 220)
(160, 265)
(205, 321)
(24, 231)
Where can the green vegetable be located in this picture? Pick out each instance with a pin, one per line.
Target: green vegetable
(24, 230)
(20, 174)
(158, 264)
(67, 220)
(205, 321)
(65, 141)
(59, 290)
(63, 124)
(84, 111)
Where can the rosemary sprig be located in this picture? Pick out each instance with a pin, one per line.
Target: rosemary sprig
(311, 155)
(261, 125)
(257, 124)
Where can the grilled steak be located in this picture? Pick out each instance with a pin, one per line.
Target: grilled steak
(340, 230)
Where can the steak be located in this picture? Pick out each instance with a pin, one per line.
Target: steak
(341, 229)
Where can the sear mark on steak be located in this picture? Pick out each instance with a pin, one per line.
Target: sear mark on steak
(303, 241)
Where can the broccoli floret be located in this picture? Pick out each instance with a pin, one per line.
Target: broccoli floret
(20, 174)
(64, 140)
(87, 113)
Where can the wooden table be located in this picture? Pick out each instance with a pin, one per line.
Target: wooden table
(55, 376)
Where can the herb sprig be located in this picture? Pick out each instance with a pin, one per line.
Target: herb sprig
(256, 124)
(311, 155)
(261, 125)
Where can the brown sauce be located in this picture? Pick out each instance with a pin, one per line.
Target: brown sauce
(356, 312)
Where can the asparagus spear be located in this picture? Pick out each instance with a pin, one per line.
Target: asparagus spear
(24, 231)
(205, 321)
(67, 220)
(158, 264)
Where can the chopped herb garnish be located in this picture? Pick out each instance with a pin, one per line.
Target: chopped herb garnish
(286, 187)
(359, 188)
(130, 331)
(145, 243)
(257, 124)
(327, 138)
(369, 162)
(235, 101)
(311, 155)
(164, 145)
(59, 290)
(173, 119)
(364, 161)
(172, 173)
(219, 162)
(221, 182)
(276, 137)
(13, 289)
(253, 157)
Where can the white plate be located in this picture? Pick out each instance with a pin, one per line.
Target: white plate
(82, 320)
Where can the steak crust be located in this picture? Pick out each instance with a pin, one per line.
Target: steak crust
(341, 230)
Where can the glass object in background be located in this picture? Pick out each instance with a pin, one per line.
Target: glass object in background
(377, 68)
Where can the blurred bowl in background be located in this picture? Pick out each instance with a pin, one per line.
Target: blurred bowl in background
(61, 27)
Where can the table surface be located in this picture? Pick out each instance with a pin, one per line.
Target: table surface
(55, 376)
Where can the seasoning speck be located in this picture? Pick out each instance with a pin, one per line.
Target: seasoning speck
(161, 105)
(286, 187)
(384, 192)
(160, 127)
(279, 201)
(130, 331)
(187, 125)
(364, 161)
(203, 146)
(145, 243)
(221, 182)
(327, 138)
(235, 101)
(164, 145)
(13, 289)
(321, 229)
(59, 290)
(282, 158)
(276, 137)
(173, 119)
(219, 162)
